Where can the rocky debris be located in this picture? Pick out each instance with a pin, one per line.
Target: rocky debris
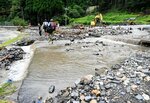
(145, 43)
(146, 28)
(127, 82)
(1, 48)
(20, 28)
(10, 55)
(97, 32)
(77, 33)
(73, 34)
(77, 26)
(51, 89)
(25, 42)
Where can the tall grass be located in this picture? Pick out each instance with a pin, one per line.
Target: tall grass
(115, 17)
(143, 19)
(6, 89)
(83, 20)
(8, 42)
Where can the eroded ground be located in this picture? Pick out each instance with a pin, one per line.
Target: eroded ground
(64, 61)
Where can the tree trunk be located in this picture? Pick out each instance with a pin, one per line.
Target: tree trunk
(22, 12)
(116, 3)
(123, 3)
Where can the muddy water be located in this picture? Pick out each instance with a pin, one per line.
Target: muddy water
(61, 65)
(51, 66)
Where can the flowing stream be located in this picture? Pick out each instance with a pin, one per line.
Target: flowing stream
(60, 65)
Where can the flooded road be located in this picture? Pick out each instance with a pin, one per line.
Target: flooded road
(52, 66)
(62, 65)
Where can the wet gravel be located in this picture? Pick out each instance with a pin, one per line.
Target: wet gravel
(8, 56)
(96, 32)
(25, 42)
(72, 34)
(126, 82)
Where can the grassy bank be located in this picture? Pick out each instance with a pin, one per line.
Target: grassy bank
(4, 101)
(6, 89)
(115, 18)
(10, 41)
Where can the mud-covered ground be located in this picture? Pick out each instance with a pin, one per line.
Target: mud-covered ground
(125, 82)
(96, 48)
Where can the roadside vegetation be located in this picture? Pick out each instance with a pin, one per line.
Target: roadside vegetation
(6, 89)
(4, 101)
(8, 42)
(19, 21)
(24, 12)
(115, 17)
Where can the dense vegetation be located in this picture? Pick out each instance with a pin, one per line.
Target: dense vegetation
(34, 11)
(114, 17)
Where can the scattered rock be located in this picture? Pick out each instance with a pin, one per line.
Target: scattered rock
(25, 42)
(128, 102)
(102, 101)
(51, 89)
(127, 84)
(134, 87)
(127, 81)
(82, 97)
(96, 92)
(108, 86)
(88, 98)
(96, 54)
(147, 79)
(8, 56)
(139, 97)
(145, 96)
(93, 101)
(67, 44)
(117, 66)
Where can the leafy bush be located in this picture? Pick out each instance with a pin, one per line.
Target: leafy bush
(62, 19)
(19, 22)
(83, 20)
(74, 13)
(79, 9)
(7, 89)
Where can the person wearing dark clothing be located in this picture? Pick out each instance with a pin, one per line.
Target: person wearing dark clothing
(40, 30)
(51, 26)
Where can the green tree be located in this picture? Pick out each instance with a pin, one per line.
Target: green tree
(79, 9)
(74, 13)
(5, 6)
(15, 8)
